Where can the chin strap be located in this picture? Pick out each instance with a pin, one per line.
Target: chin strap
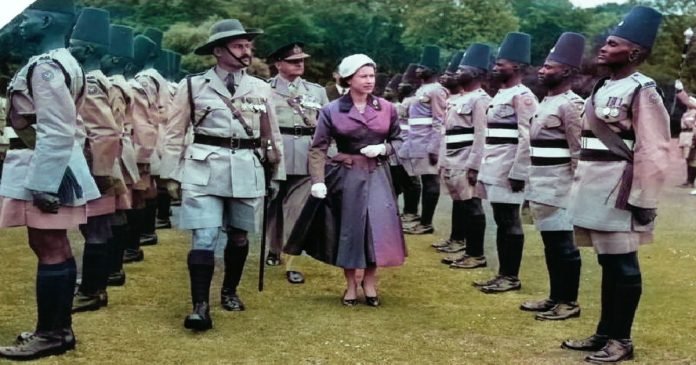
(237, 58)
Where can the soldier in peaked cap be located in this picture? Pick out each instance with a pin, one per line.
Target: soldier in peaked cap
(89, 42)
(555, 149)
(623, 163)
(420, 151)
(221, 175)
(115, 65)
(46, 181)
(465, 137)
(297, 103)
(503, 172)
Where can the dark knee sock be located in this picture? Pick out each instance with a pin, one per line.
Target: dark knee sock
(134, 217)
(412, 193)
(569, 267)
(627, 294)
(116, 247)
(95, 268)
(235, 257)
(502, 252)
(690, 174)
(431, 194)
(551, 253)
(514, 246)
(164, 202)
(149, 215)
(201, 265)
(54, 289)
(607, 295)
(459, 222)
(475, 234)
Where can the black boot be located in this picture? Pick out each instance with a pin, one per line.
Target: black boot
(201, 266)
(235, 257)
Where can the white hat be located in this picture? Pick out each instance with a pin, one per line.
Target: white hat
(352, 63)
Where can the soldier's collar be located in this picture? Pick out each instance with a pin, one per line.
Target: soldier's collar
(345, 103)
(222, 74)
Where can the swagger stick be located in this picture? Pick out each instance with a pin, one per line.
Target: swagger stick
(267, 178)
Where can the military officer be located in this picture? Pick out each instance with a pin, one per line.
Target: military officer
(221, 173)
(420, 152)
(623, 163)
(686, 136)
(114, 65)
(297, 103)
(46, 181)
(89, 42)
(555, 148)
(505, 165)
(465, 137)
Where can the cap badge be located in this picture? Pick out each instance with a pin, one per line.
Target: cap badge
(296, 50)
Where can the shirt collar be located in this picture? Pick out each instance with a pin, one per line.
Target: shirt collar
(223, 74)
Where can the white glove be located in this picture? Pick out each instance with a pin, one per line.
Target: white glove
(319, 190)
(678, 85)
(374, 150)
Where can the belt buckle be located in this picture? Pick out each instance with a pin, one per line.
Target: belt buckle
(235, 143)
(297, 130)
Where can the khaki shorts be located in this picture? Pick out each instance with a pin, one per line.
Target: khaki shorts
(200, 210)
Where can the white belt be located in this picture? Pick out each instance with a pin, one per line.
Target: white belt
(592, 143)
(420, 121)
(404, 127)
(459, 138)
(502, 133)
(551, 152)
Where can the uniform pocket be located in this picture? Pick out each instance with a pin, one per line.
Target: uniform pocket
(504, 111)
(465, 110)
(551, 121)
(196, 167)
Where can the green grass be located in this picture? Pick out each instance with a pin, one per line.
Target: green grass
(430, 314)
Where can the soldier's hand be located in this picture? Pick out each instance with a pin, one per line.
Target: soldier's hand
(678, 85)
(273, 189)
(105, 183)
(433, 158)
(319, 190)
(46, 202)
(374, 150)
(516, 185)
(472, 176)
(643, 216)
(173, 188)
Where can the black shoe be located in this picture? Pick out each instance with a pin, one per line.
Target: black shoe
(273, 259)
(593, 343)
(372, 301)
(163, 223)
(542, 305)
(294, 277)
(230, 301)
(148, 239)
(89, 302)
(614, 351)
(199, 319)
(131, 255)
(348, 302)
(419, 229)
(31, 346)
(482, 283)
(506, 283)
(117, 278)
(560, 312)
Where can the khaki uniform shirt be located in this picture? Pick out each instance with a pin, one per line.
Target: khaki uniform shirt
(156, 89)
(121, 99)
(214, 170)
(307, 99)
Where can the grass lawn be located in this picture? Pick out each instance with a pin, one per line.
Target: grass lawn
(429, 313)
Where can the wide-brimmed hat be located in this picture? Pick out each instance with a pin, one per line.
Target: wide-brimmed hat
(224, 30)
(353, 63)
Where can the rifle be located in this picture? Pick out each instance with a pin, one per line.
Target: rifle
(267, 171)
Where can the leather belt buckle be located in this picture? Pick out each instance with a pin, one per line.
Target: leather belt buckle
(235, 143)
(297, 130)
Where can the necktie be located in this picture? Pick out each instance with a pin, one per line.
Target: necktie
(229, 83)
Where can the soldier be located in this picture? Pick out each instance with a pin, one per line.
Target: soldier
(555, 149)
(4, 141)
(686, 136)
(89, 42)
(297, 103)
(391, 91)
(144, 141)
(46, 181)
(220, 173)
(465, 137)
(505, 163)
(115, 65)
(420, 152)
(448, 79)
(333, 89)
(623, 164)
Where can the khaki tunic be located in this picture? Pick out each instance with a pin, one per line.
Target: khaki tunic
(43, 107)
(4, 140)
(121, 100)
(555, 149)
(156, 89)
(218, 171)
(465, 137)
(506, 153)
(633, 107)
(686, 136)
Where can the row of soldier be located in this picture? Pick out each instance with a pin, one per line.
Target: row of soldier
(93, 151)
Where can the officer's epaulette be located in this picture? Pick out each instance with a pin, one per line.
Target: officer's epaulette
(273, 81)
(644, 81)
(259, 77)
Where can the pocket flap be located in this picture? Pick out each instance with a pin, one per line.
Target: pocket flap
(504, 111)
(198, 154)
(551, 121)
(465, 110)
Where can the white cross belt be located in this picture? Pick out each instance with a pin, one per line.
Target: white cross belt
(549, 152)
(502, 133)
(420, 121)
